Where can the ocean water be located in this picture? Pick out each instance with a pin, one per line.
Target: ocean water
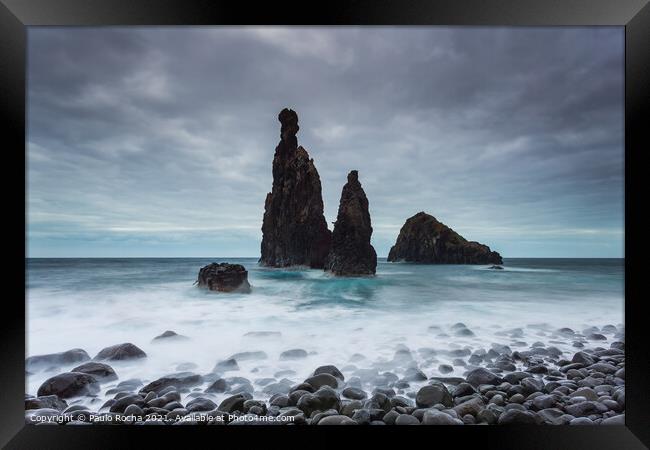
(95, 303)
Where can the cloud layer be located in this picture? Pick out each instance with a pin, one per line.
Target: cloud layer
(159, 141)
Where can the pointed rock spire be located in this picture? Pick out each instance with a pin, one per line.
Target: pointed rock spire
(294, 230)
(351, 252)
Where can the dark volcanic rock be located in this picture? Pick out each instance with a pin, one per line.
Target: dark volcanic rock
(480, 376)
(46, 401)
(351, 252)
(332, 370)
(170, 335)
(181, 379)
(101, 371)
(224, 277)
(423, 239)
(69, 384)
(294, 230)
(433, 394)
(120, 352)
(75, 355)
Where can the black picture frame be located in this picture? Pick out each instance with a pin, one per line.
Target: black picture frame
(634, 15)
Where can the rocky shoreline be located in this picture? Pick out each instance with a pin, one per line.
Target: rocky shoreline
(539, 385)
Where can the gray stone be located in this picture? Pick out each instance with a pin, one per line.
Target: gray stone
(603, 367)
(179, 380)
(480, 376)
(323, 379)
(69, 384)
(56, 359)
(585, 392)
(473, 407)
(296, 353)
(614, 420)
(414, 374)
(120, 352)
(544, 401)
(406, 419)
(581, 421)
(331, 370)
(585, 409)
(200, 404)
(170, 335)
(354, 393)
(133, 410)
(46, 402)
(131, 399)
(390, 417)
(517, 417)
(583, 358)
(226, 365)
(102, 372)
(361, 416)
(234, 403)
(218, 386)
(435, 417)
(337, 420)
(433, 394)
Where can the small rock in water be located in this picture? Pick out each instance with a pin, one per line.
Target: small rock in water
(179, 380)
(609, 329)
(226, 365)
(445, 368)
(464, 332)
(296, 353)
(332, 370)
(596, 337)
(248, 356)
(186, 366)
(102, 372)
(414, 374)
(170, 335)
(263, 334)
(69, 384)
(75, 355)
(218, 386)
(323, 379)
(224, 277)
(284, 373)
(120, 352)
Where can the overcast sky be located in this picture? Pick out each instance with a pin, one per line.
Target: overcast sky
(159, 141)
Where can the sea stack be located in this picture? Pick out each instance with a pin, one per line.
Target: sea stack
(351, 252)
(423, 239)
(294, 230)
(224, 277)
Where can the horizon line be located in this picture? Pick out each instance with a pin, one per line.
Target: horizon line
(249, 257)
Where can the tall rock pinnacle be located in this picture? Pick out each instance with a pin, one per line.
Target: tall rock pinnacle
(351, 252)
(294, 230)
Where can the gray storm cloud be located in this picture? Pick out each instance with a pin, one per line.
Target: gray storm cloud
(159, 141)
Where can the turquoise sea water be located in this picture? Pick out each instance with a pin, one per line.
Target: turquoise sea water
(94, 303)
